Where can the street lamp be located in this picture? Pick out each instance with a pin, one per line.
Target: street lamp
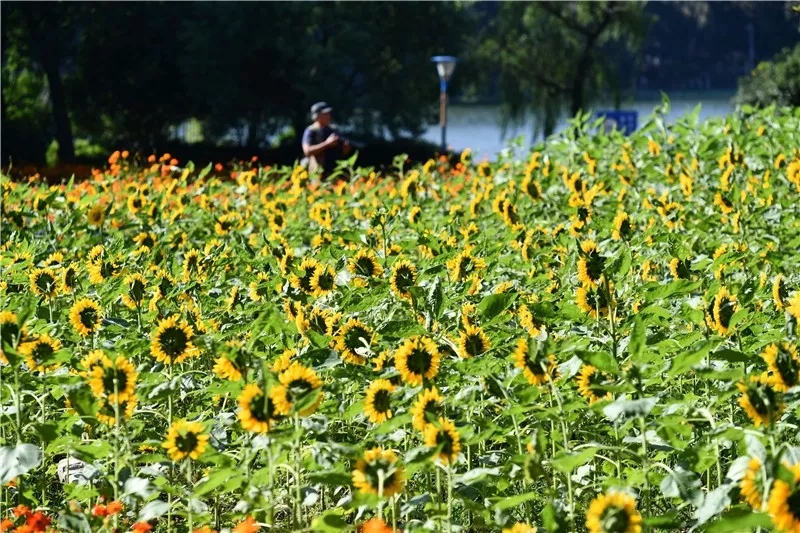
(445, 65)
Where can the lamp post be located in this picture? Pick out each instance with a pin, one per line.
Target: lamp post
(445, 65)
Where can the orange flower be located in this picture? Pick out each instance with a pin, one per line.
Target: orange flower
(218, 167)
(151, 159)
(376, 525)
(114, 507)
(38, 521)
(173, 162)
(254, 158)
(6, 525)
(141, 527)
(248, 526)
(125, 154)
(100, 510)
(114, 157)
(166, 157)
(21, 510)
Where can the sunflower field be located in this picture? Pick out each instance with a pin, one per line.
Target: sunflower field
(600, 336)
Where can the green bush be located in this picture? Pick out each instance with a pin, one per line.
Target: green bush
(773, 82)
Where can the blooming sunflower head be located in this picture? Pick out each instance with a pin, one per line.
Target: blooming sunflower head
(520, 527)
(725, 305)
(44, 283)
(754, 484)
(354, 342)
(404, 276)
(379, 472)
(623, 227)
(39, 351)
(784, 365)
(473, 342)
(613, 512)
(323, 280)
(427, 408)
(96, 215)
(417, 360)
(680, 268)
(300, 389)
(9, 329)
(591, 383)
(780, 292)
(590, 264)
(378, 401)
(172, 341)
(136, 291)
(257, 410)
(537, 367)
(364, 263)
(301, 280)
(784, 501)
(186, 439)
(442, 434)
(761, 399)
(85, 316)
(114, 381)
(464, 264)
(592, 300)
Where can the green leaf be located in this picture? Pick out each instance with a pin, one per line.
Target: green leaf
(740, 520)
(731, 356)
(714, 503)
(218, 478)
(566, 462)
(602, 361)
(494, 304)
(18, 460)
(435, 299)
(625, 409)
(638, 340)
(684, 484)
(204, 172)
(154, 509)
(670, 520)
(683, 363)
(680, 286)
(514, 501)
(330, 477)
(330, 521)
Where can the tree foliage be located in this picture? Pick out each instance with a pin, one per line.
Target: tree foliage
(773, 82)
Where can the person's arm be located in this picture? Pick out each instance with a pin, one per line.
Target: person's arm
(315, 149)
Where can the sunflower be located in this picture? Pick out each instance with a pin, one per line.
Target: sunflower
(69, 278)
(417, 360)
(591, 299)
(226, 369)
(780, 292)
(303, 283)
(754, 484)
(793, 305)
(680, 269)
(443, 434)
(613, 512)
(782, 506)
(101, 269)
(623, 228)
(227, 222)
(9, 331)
(134, 296)
(85, 316)
(146, 238)
(191, 266)
(259, 289)
(103, 375)
(590, 264)
(472, 342)
(784, 364)
(297, 382)
(414, 215)
(96, 215)
(532, 188)
(379, 472)
(95, 358)
(364, 263)
(536, 367)
(164, 284)
(354, 341)
(464, 264)
(520, 527)
(44, 283)
(323, 280)
(589, 381)
(761, 399)
(186, 439)
(283, 361)
(528, 321)
(725, 306)
(38, 350)
(106, 411)
(171, 342)
(378, 401)
(404, 276)
(136, 202)
(469, 315)
(427, 408)
(257, 411)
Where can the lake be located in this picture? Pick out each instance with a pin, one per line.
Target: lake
(478, 127)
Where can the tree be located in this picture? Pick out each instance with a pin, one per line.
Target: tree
(556, 55)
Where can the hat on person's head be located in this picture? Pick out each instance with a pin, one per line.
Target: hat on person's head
(318, 108)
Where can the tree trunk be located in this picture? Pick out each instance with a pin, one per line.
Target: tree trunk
(66, 144)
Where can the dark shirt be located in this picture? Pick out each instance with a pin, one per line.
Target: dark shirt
(315, 134)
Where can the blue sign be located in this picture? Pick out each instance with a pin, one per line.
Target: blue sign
(624, 121)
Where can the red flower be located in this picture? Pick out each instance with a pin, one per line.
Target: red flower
(6, 525)
(141, 527)
(22, 510)
(248, 526)
(38, 521)
(114, 507)
(100, 510)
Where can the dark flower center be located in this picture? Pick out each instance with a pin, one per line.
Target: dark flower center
(262, 408)
(325, 280)
(173, 341)
(615, 519)
(419, 361)
(382, 401)
(46, 283)
(794, 503)
(186, 443)
(108, 380)
(444, 439)
(357, 337)
(136, 290)
(88, 317)
(365, 266)
(763, 399)
(788, 367)
(726, 308)
(41, 351)
(474, 345)
(404, 279)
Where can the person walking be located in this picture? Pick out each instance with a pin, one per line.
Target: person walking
(322, 144)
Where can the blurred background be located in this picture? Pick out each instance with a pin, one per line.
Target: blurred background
(215, 81)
